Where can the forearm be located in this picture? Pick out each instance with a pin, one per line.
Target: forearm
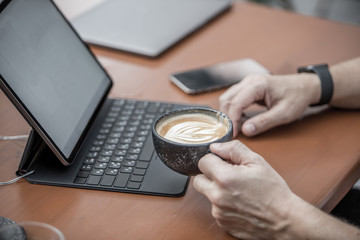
(308, 222)
(346, 77)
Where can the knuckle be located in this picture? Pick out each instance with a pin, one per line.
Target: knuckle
(219, 215)
(216, 199)
(287, 114)
(257, 79)
(223, 99)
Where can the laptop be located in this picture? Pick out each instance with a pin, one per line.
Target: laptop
(80, 138)
(146, 27)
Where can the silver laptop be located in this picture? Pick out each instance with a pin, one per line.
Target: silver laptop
(145, 27)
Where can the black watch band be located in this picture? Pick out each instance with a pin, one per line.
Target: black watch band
(327, 85)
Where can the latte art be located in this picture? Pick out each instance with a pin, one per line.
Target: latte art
(193, 132)
(192, 129)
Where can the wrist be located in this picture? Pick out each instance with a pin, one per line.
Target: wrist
(298, 218)
(305, 221)
(312, 87)
(326, 81)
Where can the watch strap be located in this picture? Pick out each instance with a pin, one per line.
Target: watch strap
(327, 85)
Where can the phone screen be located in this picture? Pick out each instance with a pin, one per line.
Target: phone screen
(217, 76)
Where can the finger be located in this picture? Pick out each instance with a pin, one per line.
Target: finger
(202, 184)
(245, 97)
(213, 166)
(225, 98)
(275, 116)
(248, 81)
(235, 152)
(236, 113)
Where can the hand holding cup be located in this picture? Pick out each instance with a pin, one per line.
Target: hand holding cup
(181, 137)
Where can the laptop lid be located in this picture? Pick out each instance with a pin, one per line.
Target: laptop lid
(49, 74)
(146, 27)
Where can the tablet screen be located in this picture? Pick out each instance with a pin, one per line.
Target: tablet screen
(50, 72)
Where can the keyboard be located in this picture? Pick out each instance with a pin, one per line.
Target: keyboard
(122, 149)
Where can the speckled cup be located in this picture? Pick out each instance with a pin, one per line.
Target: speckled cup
(182, 157)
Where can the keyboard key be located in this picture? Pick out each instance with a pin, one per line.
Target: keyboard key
(123, 146)
(92, 155)
(120, 153)
(80, 180)
(114, 165)
(83, 174)
(95, 149)
(137, 144)
(93, 180)
(129, 134)
(106, 153)
(143, 133)
(140, 138)
(132, 157)
(118, 102)
(141, 164)
(153, 107)
(134, 185)
(112, 140)
(117, 158)
(125, 140)
(86, 167)
(139, 171)
(147, 150)
(121, 180)
(121, 123)
(136, 178)
(134, 150)
(111, 171)
(107, 125)
(110, 119)
(115, 135)
(98, 143)
(141, 105)
(97, 172)
(104, 131)
(129, 163)
(110, 147)
(118, 129)
(89, 161)
(125, 169)
(100, 165)
(101, 137)
(103, 159)
(107, 180)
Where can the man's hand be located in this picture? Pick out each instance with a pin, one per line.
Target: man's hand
(249, 199)
(286, 98)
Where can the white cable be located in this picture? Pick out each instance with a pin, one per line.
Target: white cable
(16, 179)
(13, 137)
(17, 137)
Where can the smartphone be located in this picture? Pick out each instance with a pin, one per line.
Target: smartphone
(216, 76)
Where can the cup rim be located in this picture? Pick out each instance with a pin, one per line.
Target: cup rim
(189, 109)
(44, 225)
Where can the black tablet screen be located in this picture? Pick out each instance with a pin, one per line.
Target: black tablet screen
(50, 71)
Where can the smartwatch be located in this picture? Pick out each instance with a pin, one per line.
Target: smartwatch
(327, 85)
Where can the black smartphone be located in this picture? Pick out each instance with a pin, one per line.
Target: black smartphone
(216, 76)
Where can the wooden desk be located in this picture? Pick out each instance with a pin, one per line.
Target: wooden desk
(318, 156)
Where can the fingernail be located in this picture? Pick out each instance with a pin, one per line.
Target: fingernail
(249, 128)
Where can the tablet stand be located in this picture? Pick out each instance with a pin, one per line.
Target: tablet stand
(33, 149)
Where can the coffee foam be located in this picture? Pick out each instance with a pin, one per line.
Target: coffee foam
(193, 128)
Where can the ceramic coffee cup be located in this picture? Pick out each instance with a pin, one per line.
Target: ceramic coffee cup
(181, 137)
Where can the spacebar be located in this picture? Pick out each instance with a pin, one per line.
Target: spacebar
(147, 150)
